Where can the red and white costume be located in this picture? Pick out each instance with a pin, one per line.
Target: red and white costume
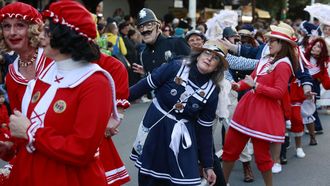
(16, 83)
(259, 114)
(320, 74)
(69, 107)
(115, 170)
(297, 97)
(264, 101)
(4, 118)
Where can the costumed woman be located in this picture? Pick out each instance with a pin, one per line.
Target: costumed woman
(258, 115)
(20, 28)
(66, 110)
(176, 130)
(318, 58)
(115, 169)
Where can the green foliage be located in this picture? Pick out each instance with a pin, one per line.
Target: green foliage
(296, 7)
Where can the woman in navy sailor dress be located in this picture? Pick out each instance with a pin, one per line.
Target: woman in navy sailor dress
(179, 120)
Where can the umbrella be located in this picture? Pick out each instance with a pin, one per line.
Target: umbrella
(319, 11)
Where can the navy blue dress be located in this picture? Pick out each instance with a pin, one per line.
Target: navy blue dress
(181, 118)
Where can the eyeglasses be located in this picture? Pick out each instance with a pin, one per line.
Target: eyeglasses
(147, 26)
(167, 30)
(211, 55)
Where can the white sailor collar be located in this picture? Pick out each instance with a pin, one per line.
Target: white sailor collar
(69, 73)
(39, 65)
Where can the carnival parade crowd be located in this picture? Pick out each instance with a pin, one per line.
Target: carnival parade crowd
(67, 77)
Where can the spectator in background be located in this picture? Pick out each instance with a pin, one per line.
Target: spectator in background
(182, 28)
(195, 39)
(259, 36)
(119, 47)
(135, 38)
(99, 9)
(129, 20)
(167, 30)
(247, 38)
(202, 27)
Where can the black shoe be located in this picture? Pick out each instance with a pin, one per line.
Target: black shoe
(284, 161)
(312, 141)
(287, 142)
(319, 132)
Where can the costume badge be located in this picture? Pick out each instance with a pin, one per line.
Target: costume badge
(174, 92)
(179, 106)
(35, 97)
(178, 80)
(59, 106)
(202, 93)
(168, 55)
(270, 69)
(142, 14)
(195, 106)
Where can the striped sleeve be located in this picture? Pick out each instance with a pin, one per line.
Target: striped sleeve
(154, 80)
(241, 63)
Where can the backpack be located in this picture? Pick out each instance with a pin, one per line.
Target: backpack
(116, 49)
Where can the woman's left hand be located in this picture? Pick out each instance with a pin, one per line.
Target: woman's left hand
(210, 176)
(19, 124)
(310, 95)
(248, 80)
(112, 127)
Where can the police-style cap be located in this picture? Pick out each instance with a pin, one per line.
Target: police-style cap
(146, 15)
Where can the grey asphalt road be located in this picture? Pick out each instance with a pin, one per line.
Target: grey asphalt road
(313, 170)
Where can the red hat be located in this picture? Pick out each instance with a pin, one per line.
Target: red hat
(73, 15)
(20, 10)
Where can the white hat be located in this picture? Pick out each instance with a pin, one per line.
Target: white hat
(284, 32)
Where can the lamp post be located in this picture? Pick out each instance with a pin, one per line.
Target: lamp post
(253, 10)
(192, 12)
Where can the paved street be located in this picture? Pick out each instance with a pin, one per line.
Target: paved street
(310, 171)
(313, 170)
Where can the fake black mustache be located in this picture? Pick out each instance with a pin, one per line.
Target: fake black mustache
(146, 32)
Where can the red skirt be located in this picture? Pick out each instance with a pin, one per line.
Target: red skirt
(115, 170)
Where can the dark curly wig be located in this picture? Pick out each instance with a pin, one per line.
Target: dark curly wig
(68, 41)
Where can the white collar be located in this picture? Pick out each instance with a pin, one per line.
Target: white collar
(66, 65)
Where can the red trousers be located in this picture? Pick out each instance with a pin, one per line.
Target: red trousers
(235, 142)
(297, 125)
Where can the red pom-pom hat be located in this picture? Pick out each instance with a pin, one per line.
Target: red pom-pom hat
(21, 11)
(73, 15)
